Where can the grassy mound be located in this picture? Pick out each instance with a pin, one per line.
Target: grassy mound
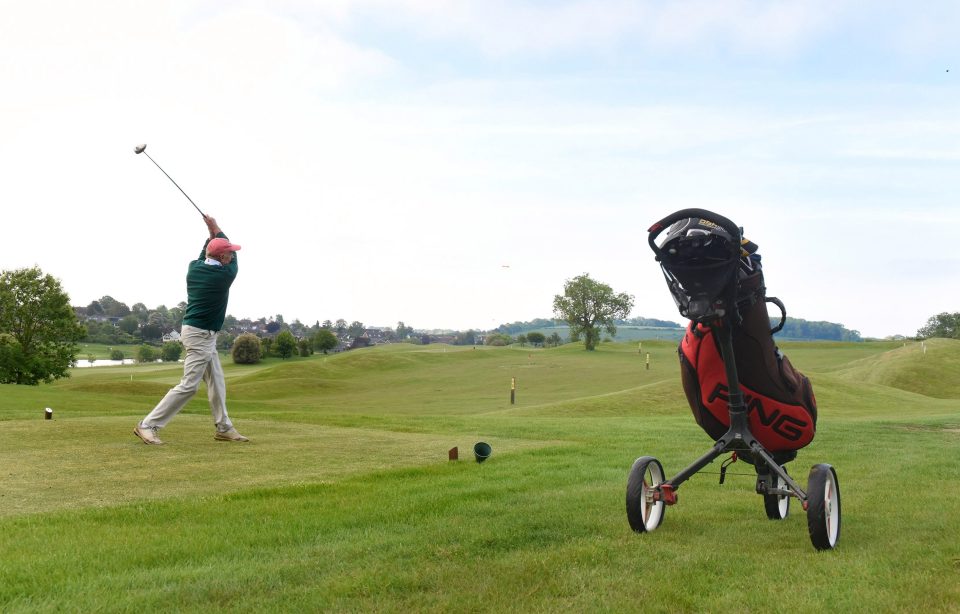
(931, 368)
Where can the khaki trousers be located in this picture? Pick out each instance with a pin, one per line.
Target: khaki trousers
(201, 363)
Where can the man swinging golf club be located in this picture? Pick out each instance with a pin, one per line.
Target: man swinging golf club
(208, 288)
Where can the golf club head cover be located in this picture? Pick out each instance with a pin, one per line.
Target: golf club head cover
(781, 407)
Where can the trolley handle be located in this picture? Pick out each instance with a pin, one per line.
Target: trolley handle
(668, 221)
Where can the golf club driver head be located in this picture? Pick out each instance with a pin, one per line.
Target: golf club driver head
(139, 148)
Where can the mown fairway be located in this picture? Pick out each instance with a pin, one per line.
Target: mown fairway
(345, 499)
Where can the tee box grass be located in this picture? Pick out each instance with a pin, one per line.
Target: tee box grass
(345, 500)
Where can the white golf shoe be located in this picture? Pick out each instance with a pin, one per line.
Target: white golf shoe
(148, 434)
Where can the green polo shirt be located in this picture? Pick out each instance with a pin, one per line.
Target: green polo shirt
(208, 289)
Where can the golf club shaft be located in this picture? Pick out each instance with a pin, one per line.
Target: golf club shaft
(174, 183)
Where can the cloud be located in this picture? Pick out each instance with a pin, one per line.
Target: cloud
(502, 28)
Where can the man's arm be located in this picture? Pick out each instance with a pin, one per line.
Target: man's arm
(212, 226)
(214, 230)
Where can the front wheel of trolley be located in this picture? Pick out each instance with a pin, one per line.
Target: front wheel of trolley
(644, 510)
(823, 511)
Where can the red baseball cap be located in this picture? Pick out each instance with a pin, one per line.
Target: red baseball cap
(220, 246)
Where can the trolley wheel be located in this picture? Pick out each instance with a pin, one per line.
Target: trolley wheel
(643, 512)
(777, 506)
(823, 511)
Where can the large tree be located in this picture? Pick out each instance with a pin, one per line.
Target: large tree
(38, 328)
(285, 344)
(113, 308)
(129, 324)
(588, 305)
(324, 340)
(356, 328)
(942, 325)
(536, 338)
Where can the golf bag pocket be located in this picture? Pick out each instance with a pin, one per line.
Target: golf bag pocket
(781, 408)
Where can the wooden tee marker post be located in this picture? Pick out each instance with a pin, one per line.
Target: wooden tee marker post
(513, 390)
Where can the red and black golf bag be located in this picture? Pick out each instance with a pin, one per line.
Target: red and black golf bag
(743, 391)
(781, 407)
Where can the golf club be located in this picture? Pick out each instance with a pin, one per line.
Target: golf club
(141, 149)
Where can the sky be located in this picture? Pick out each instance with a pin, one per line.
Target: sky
(452, 163)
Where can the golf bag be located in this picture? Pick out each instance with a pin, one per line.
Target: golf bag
(781, 406)
(742, 390)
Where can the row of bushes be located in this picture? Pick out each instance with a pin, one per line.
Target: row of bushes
(249, 349)
(246, 349)
(169, 352)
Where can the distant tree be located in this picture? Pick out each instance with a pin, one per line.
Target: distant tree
(327, 324)
(467, 338)
(175, 317)
(536, 338)
(555, 339)
(285, 344)
(103, 332)
(522, 339)
(94, 309)
(588, 305)
(797, 328)
(298, 329)
(116, 355)
(171, 351)
(522, 327)
(303, 345)
(146, 353)
(356, 329)
(403, 331)
(151, 332)
(159, 321)
(266, 345)
(129, 324)
(341, 327)
(246, 349)
(941, 325)
(225, 340)
(38, 328)
(140, 310)
(273, 326)
(499, 339)
(324, 340)
(160, 314)
(113, 308)
(651, 322)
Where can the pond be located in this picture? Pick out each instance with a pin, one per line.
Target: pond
(104, 363)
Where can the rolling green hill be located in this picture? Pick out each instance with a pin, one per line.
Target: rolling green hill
(345, 499)
(930, 368)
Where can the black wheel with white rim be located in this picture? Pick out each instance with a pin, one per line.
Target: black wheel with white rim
(643, 511)
(823, 511)
(777, 506)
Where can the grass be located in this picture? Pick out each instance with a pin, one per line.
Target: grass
(345, 500)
